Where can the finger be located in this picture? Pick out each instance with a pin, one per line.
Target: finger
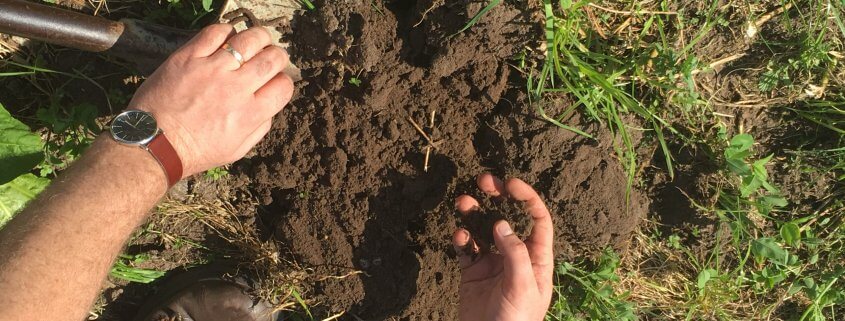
(272, 97)
(541, 240)
(208, 40)
(256, 136)
(248, 43)
(466, 205)
(464, 247)
(491, 185)
(264, 66)
(475, 264)
(518, 274)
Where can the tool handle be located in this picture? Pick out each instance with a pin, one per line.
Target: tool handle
(148, 44)
(143, 43)
(57, 26)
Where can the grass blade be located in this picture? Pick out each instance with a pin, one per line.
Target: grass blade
(478, 16)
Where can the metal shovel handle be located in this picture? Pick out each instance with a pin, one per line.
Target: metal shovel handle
(141, 42)
(57, 26)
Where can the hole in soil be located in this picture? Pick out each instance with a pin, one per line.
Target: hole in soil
(267, 217)
(414, 49)
(356, 25)
(585, 185)
(671, 203)
(490, 145)
(143, 248)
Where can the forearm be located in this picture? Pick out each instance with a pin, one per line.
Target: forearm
(54, 255)
(57, 252)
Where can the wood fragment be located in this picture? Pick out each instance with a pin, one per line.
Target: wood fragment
(428, 148)
(596, 25)
(424, 135)
(625, 24)
(629, 13)
(766, 17)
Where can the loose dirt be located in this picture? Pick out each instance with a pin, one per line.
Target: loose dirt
(342, 176)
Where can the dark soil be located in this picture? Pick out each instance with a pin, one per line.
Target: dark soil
(342, 174)
(342, 178)
(345, 192)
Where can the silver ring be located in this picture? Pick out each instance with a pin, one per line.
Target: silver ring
(238, 56)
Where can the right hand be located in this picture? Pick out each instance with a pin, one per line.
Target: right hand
(212, 109)
(516, 284)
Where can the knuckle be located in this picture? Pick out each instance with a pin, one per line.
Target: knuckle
(272, 59)
(516, 245)
(519, 251)
(264, 66)
(242, 43)
(179, 58)
(285, 81)
(281, 53)
(276, 53)
(252, 39)
(261, 33)
(284, 90)
(221, 29)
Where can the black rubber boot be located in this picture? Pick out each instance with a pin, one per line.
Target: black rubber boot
(196, 296)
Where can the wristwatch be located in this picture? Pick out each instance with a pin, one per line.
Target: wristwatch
(139, 128)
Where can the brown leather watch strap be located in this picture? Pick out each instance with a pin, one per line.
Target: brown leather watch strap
(166, 155)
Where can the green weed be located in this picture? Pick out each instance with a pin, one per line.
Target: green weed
(585, 292)
(611, 84)
(71, 131)
(124, 269)
(355, 81)
(216, 173)
(20, 151)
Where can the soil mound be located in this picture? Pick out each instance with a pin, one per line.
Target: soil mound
(342, 174)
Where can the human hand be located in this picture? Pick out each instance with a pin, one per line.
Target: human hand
(513, 285)
(212, 109)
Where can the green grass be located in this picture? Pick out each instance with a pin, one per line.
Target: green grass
(308, 5)
(642, 70)
(770, 254)
(766, 258)
(477, 17)
(124, 269)
(57, 108)
(609, 86)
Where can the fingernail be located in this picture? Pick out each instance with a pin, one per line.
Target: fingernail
(463, 237)
(504, 229)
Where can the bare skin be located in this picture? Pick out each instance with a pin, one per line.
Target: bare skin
(517, 283)
(57, 252)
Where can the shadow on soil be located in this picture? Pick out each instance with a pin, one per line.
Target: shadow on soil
(388, 253)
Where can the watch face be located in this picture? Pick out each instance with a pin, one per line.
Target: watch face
(134, 127)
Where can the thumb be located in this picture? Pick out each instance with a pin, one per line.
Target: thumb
(518, 275)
